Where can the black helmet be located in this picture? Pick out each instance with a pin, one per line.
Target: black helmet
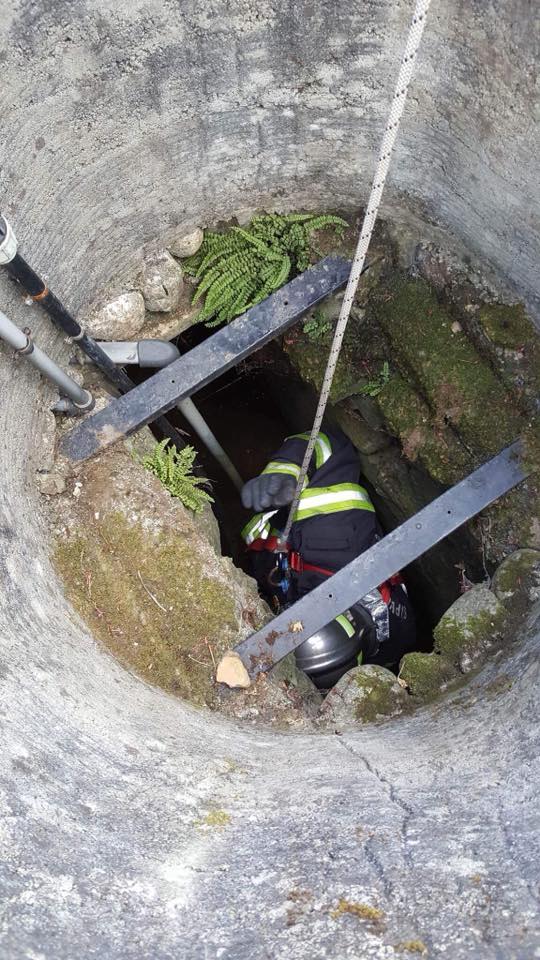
(334, 649)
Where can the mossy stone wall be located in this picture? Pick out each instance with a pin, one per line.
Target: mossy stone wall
(463, 377)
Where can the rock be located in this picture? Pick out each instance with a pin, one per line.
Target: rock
(120, 319)
(365, 438)
(364, 694)
(431, 265)
(425, 674)
(283, 697)
(161, 282)
(232, 671)
(186, 244)
(50, 484)
(467, 630)
(516, 581)
(298, 684)
(139, 568)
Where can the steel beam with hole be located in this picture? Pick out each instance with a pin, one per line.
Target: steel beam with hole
(209, 360)
(397, 550)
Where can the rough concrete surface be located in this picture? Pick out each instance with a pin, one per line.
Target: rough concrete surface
(132, 825)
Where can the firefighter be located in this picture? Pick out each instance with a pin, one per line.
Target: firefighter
(334, 523)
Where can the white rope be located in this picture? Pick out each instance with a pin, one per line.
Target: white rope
(408, 61)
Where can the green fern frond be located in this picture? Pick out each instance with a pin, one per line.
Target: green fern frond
(175, 471)
(282, 273)
(326, 220)
(243, 266)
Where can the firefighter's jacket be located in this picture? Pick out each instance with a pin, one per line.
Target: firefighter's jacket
(334, 523)
(335, 520)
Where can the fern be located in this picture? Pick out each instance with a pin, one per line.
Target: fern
(316, 327)
(175, 471)
(373, 387)
(240, 268)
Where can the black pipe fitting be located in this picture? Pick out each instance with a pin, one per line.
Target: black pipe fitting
(22, 272)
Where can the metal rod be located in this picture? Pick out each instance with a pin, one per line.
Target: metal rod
(25, 346)
(201, 428)
(158, 354)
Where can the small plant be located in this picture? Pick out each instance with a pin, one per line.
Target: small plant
(241, 267)
(317, 326)
(175, 470)
(373, 387)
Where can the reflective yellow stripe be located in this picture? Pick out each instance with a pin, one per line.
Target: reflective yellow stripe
(323, 447)
(353, 490)
(325, 500)
(346, 624)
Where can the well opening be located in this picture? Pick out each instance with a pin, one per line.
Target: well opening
(419, 425)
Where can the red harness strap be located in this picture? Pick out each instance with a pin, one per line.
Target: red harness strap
(298, 565)
(385, 588)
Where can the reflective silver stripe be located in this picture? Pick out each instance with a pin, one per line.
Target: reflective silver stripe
(281, 466)
(374, 603)
(323, 447)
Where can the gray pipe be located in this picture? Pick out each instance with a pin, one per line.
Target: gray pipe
(25, 347)
(199, 424)
(158, 354)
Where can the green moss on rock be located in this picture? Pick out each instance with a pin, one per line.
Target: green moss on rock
(377, 696)
(471, 625)
(411, 420)
(361, 357)
(425, 674)
(151, 602)
(507, 325)
(458, 384)
(518, 578)
(365, 694)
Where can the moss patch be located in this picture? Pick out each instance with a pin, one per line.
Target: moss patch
(466, 631)
(150, 601)
(410, 419)
(377, 699)
(425, 674)
(459, 386)
(516, 569)
(412, 946)
(362, 354)
(507, 325)
(217, 819)
(361, 910)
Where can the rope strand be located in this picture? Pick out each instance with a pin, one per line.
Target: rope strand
(408, 62)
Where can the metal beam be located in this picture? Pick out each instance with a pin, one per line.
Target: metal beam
(204, 363)
(398, 549)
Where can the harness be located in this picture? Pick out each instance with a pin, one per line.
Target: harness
(297, 564)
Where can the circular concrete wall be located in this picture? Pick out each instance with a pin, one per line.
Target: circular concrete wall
(132, 825)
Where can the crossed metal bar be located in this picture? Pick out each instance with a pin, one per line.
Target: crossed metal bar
(260, 651)
(209, 360)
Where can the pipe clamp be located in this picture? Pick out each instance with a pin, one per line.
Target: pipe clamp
(8, 242)
(88, 404)
(28, 347)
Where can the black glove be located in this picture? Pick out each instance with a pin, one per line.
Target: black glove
(268, 490)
